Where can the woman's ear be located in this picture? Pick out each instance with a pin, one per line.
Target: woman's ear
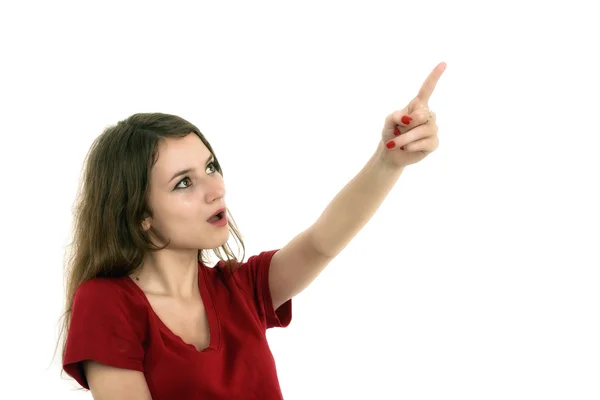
(146, 224)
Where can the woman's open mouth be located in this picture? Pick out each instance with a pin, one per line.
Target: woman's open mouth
(219, 219)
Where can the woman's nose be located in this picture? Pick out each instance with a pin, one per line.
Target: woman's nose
(215, 191)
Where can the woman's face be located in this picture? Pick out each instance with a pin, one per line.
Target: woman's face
(185, 191)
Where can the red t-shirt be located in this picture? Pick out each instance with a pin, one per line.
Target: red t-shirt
(112, 323)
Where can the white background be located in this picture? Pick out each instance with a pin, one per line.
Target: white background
(478, 278)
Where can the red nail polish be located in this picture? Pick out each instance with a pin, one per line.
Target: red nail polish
(396, 131)
(390, 144)
(406, 120)
(401, 147)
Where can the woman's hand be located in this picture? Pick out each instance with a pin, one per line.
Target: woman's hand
(410, 134)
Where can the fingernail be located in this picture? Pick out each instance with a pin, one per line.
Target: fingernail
(396, 131)
(401, 147)
(406, 120)
(390, 144)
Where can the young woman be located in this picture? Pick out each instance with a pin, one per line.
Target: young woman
(146, 318)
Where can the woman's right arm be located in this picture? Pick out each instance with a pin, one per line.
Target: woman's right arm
(111, 383)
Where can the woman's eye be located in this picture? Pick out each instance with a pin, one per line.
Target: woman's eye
(186, 181)
(214, 166)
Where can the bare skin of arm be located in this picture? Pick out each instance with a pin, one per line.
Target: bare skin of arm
(110, 383)
(299, 262)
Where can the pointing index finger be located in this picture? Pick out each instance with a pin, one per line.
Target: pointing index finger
(429, 84)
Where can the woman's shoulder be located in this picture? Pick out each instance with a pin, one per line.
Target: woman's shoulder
(245, 275)
(259, 259)
(106, 325)
(110, 303)
(109, 291)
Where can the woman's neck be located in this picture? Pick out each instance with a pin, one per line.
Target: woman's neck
(169, 273)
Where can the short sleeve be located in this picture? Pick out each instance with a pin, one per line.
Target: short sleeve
(255, 272)
(102, 329)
